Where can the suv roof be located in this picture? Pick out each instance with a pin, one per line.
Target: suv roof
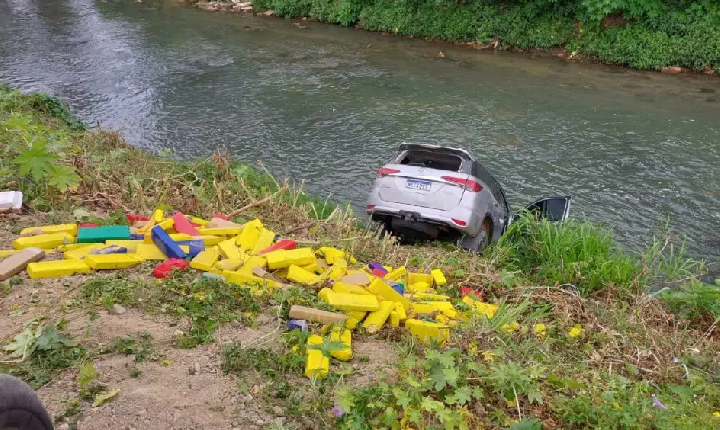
(446, 149)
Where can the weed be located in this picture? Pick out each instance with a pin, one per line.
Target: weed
(142, 349)
(40, 351)
(694, 300)
(111, 290)
(569, 253)
(208, 303)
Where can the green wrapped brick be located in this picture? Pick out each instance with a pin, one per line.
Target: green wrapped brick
(101, 234)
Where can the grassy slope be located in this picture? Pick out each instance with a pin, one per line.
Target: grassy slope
(576, 343)
(644, 34)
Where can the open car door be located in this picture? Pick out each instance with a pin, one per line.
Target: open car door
(553, 209)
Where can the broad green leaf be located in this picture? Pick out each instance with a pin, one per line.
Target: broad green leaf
(63, 177)
(35, 161)
(51, 339)
(403, 399)
(463, 395)
(451, 375)
(412, 382)
(345, 399)
(86, 375)
(534, 396)
(25, 343)
(105, 397)
(428, 404)
(438, 379)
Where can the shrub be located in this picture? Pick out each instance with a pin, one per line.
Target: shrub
(571, 252)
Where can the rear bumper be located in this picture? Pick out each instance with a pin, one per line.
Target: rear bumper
(425, 215)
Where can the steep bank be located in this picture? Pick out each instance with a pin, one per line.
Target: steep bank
(574, 344)
(643, 34)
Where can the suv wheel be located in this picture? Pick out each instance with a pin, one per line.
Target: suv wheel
(475, 244)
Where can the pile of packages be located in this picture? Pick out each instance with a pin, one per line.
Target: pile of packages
(250, 255)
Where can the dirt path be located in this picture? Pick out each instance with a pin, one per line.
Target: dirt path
(177, 388)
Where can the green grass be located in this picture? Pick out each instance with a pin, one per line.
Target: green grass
(694, 300)
(573, 253)
(206, 303)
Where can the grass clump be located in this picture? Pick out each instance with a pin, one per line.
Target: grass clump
(40, 352)
(569, 253)
(694, 300)
(141, 349)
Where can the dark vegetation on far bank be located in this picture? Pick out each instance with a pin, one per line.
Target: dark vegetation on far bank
(642, 34)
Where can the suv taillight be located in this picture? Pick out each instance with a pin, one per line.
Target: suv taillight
(384, 171)
(469, 184)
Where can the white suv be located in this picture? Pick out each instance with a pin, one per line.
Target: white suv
(427, 191)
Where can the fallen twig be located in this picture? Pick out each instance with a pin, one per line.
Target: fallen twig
(303, 226)
(257, 203)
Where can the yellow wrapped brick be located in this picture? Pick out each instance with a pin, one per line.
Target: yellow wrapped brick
(43, 241)
(221, 231)
(396, 274)
(80, 253)
(382, 289)
(312, 267)
(350, 302)
(438, 277)
(354, 318)
(398, 314)
(157, 216)
(443, 319)
(428, 331)
(70, 229)
(250, 235)
(209, 240)
(316, 364)
(253, 262)
(265, 239)
(344, 336)
(375, 320)
(182, 236)
(425, 308)
(229, 264)
(130, 245)
(150, 251)
(249, 280)
(205, 260)
(283, 258)
(301, 276)
(198, 221)
(337, 271)
(68, 247)
(428, 297)
(487, 309)
(394, 319)
(166, 224)
(56, 269)
(112, 261)
(330, 254)
(400, 309)
(418, 287)
(8, 252)
(230, 250)
(414, 277)
(350, 289)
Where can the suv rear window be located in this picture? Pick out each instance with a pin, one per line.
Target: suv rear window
(431, 159)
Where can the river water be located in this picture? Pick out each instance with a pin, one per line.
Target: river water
(329, 105)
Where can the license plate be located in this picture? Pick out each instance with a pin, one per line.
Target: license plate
(415, 184)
